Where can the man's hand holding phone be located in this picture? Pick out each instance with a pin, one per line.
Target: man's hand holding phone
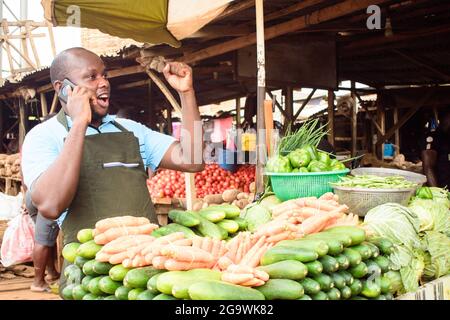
(78, 103)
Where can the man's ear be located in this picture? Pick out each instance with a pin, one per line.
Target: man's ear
(57, 85)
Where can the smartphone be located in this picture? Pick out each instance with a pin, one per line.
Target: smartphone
(64, 89)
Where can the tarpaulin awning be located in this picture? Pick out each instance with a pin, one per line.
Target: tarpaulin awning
(149, 21)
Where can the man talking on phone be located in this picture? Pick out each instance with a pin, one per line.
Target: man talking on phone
(85, 165)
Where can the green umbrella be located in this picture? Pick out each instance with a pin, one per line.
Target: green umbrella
(150, 21)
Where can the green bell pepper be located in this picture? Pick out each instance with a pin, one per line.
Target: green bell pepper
(424, 193)
(324, 158)
(336, 165)
(295, 170)
(312, 151)
(279, 164)
(303, 169)
(299, 158)
(317, 166)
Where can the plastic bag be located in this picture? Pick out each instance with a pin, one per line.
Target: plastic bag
(18, 241)
(10, 205)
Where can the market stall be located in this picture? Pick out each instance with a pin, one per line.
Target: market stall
(300, 242)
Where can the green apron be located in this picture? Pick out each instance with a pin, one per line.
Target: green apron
(105, 188)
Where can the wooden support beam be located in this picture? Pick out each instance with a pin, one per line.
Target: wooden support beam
(22, 122)
(26, 58)
(397, 132)
(354, 122)
(134, 84)
(52, 38)
(331, 117)
(379, 43)
(277, 104)
(21, 36)
(190, 190)
(235, 9)
(54, 103)
(261, 149)
(308, 99)
(33, 45)
(169, 120)
(405, 118)
(329, 13)
(125, 71)
(292, 9)
(238, 113)
(44, 107)
(268, 121)
(21, 23)
(289, 107)
(44, 88)
(5, 44)
(441, 75)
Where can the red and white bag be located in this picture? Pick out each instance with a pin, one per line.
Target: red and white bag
(18, 241)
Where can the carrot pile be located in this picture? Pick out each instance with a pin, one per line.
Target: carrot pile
(125, 249)
(296, 218)
(109, 229)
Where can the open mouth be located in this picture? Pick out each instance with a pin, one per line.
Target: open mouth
(103, 100)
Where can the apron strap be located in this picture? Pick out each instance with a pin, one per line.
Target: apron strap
(63, 120)
(119, 126)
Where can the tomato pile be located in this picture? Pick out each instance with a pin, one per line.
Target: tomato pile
(212, 180)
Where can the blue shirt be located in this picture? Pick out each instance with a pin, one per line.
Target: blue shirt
(44, 143)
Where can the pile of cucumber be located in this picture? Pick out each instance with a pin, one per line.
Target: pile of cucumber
(217, 222)
(335, 264)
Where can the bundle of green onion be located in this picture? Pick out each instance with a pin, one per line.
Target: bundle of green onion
(309, 134)
(375, 182)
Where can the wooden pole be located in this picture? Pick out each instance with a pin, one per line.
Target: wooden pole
(289, 101)
(261, 93)
(354, 119)
(397, 132)
(52, 39)
(44, 107)
(268, 119)
(22, 119)
(54, 103)
(238, 113)
(331, 117)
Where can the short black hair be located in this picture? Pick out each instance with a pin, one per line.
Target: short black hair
(58, 68)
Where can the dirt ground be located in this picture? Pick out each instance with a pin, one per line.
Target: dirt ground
(19, 289)
(15, 284)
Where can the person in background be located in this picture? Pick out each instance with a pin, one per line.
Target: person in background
(436, 154)
(45, 234)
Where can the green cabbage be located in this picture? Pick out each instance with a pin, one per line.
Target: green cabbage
(433, 215)
(412, 273)
(256, 215)
(396, 223)
(437, 261)
(441, 196)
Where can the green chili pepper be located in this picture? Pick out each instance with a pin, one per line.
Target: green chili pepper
(324, 158)
(424, 193)
(317, 166)
(299, 158)
(278, 164)
(312, 151)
